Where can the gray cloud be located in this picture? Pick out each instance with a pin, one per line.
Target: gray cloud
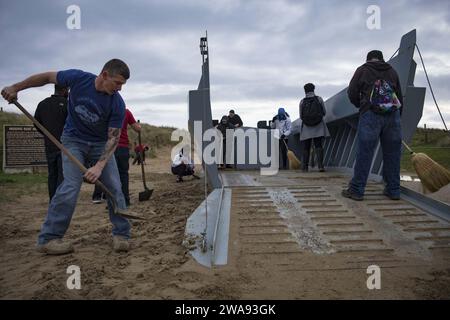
(261, 52)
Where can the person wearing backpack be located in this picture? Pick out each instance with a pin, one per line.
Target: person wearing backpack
(313, 128)
(375, 90)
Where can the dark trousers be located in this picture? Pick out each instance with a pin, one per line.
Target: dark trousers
(122, 155)
(55, 172)
(224, 151)
(307, 148)
(283, 152)
(182, 170)
(137, 158)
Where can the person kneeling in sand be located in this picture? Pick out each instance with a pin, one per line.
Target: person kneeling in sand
(182, 166)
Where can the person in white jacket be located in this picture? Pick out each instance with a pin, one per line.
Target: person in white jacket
(182, 166)
(282, 122)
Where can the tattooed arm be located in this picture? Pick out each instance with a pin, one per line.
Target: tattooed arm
(95, 172)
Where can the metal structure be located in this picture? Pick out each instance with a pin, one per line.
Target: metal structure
(342, 118)
(212, 226)
(200, 110)
(209, 223)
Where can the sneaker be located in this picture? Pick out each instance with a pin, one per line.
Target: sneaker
(390, 196)
(120, 244)
(55, 247)
(351, 195)
(179, 179)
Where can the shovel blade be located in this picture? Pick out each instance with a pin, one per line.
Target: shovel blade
(145, 195)
(129, 215)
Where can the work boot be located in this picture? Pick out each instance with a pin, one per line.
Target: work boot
(319, 152)
(55, 247)
(351, 195)
(120, 244)
(391, 196)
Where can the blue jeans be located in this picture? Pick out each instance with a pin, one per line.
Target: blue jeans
(371, 128)
(63, 203)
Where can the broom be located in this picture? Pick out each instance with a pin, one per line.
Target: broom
(432, 175)
(294, 163)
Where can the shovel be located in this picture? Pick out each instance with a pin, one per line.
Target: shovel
(147, 193)
(115, 208)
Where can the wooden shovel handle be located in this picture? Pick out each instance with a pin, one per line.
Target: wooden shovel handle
(62, 148)
(142, 157)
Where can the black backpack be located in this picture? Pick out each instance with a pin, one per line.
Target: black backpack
(312, 113)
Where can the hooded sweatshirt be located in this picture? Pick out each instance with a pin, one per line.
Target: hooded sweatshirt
(362, 83)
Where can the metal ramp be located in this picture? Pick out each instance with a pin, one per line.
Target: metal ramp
(286, 216)
(293, 220)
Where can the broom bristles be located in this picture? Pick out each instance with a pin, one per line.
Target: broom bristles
(432, 175)
(294, 163)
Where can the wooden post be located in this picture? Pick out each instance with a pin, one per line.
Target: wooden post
(426, 133)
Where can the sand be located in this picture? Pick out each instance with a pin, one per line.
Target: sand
(160, 267)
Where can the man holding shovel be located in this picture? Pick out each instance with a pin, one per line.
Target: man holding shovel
(95, 116)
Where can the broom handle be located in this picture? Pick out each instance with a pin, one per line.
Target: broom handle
(285, 144)
(407, 147)
(61, 147)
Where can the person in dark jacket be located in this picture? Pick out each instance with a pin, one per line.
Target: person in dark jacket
(234, 119)
(52, 113)
(373, 82)
(222, 127)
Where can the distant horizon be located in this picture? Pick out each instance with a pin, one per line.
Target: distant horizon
(176, 128)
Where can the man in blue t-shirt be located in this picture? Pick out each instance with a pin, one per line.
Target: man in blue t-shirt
(91, 133)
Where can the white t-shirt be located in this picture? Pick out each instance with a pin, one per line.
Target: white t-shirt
(180, 158)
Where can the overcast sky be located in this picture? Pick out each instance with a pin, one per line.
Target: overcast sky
(261, 52)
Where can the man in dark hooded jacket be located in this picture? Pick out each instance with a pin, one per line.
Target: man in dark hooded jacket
(375, 90)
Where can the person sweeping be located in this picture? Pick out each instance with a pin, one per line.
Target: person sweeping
(375, 90)
(282, 122)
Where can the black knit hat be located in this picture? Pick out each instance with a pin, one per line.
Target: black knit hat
(309, 87)
(375, 54)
